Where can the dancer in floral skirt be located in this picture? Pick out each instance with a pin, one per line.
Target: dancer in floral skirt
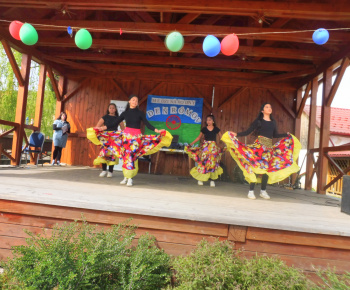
(109, 120)
(274, 162)
(208, 155)
(129, 144)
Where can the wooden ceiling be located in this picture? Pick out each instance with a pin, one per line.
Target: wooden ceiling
(286, 59)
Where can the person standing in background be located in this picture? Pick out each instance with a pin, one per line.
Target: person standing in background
(61, 129)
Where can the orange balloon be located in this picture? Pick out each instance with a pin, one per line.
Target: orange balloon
(230, 44)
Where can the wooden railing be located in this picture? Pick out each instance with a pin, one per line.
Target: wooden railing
(3, 150)
(324, 151)
(15, 126)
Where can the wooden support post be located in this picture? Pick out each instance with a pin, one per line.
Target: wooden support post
(40, 97)
(297, 123)
(39, 105)
(343, 67)
(59, 102)
(62, 83)
(54, 83)
(21, 111)
(311, 134)
(325, 131)
(13, 62)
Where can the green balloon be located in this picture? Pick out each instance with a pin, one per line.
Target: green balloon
(174, 41)
(83, 39)
(28, 34)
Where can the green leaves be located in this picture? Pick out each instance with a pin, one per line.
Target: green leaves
(9, 90)
(82, 256)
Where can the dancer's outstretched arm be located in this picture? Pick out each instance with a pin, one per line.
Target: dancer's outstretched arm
(197, 139)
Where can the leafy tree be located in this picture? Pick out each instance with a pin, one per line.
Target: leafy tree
(9, 90)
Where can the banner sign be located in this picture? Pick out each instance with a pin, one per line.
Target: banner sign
(180, 116)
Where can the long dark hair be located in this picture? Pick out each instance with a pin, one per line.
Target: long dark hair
(212, 117)
(127, 107)
(260, 117)
(59, 117)
(116, 110)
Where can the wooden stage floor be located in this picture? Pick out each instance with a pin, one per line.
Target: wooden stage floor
(302, 228)
(175, 197)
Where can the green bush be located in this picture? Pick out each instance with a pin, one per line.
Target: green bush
(333, 281)
(78, 256)
(218, 266)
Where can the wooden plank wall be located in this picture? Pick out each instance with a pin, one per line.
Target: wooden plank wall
(91, 101)
(179, 237)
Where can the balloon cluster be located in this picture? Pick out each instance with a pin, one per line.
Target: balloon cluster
(29, 36)
(229, 45)
(174, 42)
(24, 32)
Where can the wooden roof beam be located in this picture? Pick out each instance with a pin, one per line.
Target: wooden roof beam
(188, 18)
(181, 75)
(192, 62)
(327, 64)
(334, 11)
(138, 45)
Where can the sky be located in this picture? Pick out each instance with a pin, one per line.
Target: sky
(342, 97)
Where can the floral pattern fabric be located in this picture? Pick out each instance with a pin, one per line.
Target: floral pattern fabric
(208, 158)
(117, 144)
(278, 162)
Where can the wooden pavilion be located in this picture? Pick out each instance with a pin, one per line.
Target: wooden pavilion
(272, 64)
(277, 62)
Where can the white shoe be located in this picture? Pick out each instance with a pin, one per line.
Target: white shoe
(58, 163)
(53, 163)
(200, 182)
(251, 194)
(264, 194)
(129, 182)
(212, 183)
(109, 174)
(103, 174)
(124, 181)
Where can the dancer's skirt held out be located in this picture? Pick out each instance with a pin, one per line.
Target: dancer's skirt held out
(129, 145)
(208, 158)
(277, 160)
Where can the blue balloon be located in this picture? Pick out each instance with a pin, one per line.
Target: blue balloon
(211, 46)
(320, 36)
(70, 30)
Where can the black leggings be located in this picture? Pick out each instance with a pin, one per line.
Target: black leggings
(104, 167)
(57, 153)
(264, 179)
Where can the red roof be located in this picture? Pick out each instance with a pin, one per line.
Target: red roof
(340, 120)
(339, 154)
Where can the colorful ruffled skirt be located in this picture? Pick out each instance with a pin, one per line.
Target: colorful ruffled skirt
(208, 158)
(278, 161)
(128, 146)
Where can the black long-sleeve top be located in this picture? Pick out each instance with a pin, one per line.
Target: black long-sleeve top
(133, 118)
(268, 129)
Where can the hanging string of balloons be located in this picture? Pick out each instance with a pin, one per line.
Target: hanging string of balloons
(174, 41)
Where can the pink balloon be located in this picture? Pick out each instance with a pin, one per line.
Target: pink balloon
(230, 44)
(14, 28)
